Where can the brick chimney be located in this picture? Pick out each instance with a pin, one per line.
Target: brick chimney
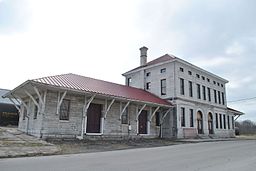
(143, 55)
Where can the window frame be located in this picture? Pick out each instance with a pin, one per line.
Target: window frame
(163, 70)
(182, 119)
(163, 86)
(204, 92)
(182, 88)
(191, 117)
(198, 91)
(190, 84)
(63, 116)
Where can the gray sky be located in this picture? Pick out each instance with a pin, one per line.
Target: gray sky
(101, 39)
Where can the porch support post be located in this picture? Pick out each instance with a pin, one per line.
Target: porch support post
(107, 107)
(84, 117)
(16, 106)
(60, 99)
(122, 112)
(154, 112)
(162, 121)
(138, 114)
(32, 98)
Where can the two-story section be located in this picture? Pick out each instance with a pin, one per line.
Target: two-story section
(198, 95)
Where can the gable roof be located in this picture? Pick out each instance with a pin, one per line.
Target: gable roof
(4, 100)
(86, 84)
(161, 59)
(236, 112)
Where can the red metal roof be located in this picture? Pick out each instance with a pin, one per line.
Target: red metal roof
(82, 83)
(161, 59)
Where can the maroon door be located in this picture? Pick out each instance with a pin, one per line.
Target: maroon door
(143, 122)
(93, 118)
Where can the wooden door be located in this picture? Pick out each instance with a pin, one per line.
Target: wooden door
(143, 122)
(93, 118)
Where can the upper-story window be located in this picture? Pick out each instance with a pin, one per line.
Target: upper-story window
(148, 74)
(189, 73)
(163, 87)
(208, 79)
(214, 82)
(203, 78)
(148, 85)
(181, 86)
(215, 96)
(190, 88)
(197, 75)
(209, 93)
(221, 85)
(198, 91)
(223, 98)
(219, 97)
(218, 84)
(204, 92)
(163, 70)
(181, 69)
(129, 81)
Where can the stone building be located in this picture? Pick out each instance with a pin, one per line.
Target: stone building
(199, 96)
(72, 106)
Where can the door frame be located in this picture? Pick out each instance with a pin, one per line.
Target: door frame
(146, 123)
(100, 122)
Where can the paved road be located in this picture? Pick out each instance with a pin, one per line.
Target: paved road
(225, 155)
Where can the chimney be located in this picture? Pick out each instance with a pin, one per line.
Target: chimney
(143, 55)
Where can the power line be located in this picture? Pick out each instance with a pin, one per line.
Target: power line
(245, 99)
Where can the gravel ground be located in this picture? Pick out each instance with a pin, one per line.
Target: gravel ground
(87, 146)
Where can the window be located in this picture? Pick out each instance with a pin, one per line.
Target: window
(181, 69)
(214, 82)
(209, 93)
(224, 120)
(183, 117)
(198, 91)
(216, 120)
(220, 121)
(215, 96)
(181, 86)
(129, 81)
(189, 73)
(228, 122)
(203, 78)
(190, 88)
(191, 117)
(124, 119)
(36, 109)
(64, 109)
(148, 74)
(197, 75)
(218, 84)
(25, 112)
(223, 98)
(148, 85)
(163, 87)
(233, 125)
(157, 119)
(208, 79)
(204, 92)
(163, 70)
(221, 85)
(219, 97)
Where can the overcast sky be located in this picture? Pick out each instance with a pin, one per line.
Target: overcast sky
(101, 39)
